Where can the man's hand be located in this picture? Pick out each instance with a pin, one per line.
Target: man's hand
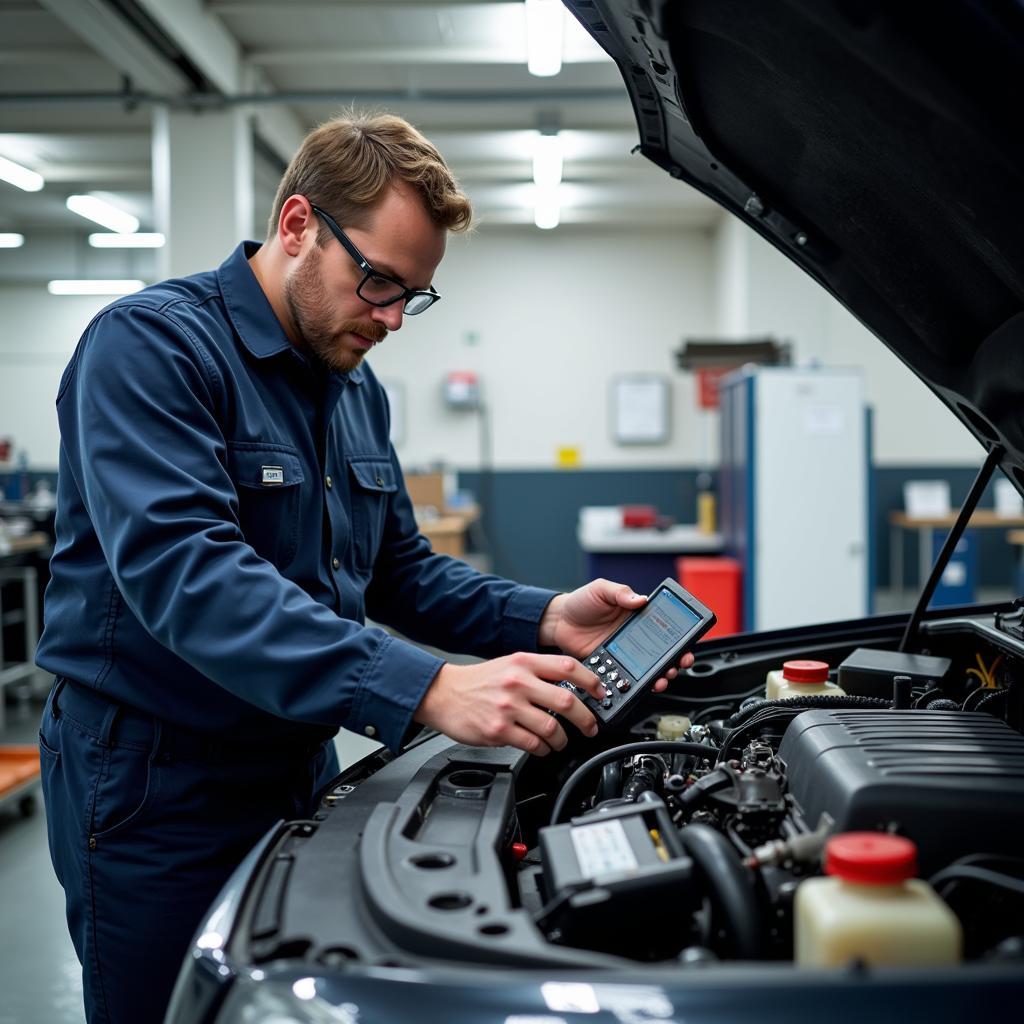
(579, 621)
(505, 702)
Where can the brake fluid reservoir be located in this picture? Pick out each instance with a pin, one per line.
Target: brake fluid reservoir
(800, 679)
(872, 908)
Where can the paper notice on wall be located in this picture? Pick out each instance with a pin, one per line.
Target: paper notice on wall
(641, 410)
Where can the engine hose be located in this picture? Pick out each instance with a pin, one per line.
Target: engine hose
(616, 754)
(989, 698)
(813, 701)
(646, 777)
(732, 890)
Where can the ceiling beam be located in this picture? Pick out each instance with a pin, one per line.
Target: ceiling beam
(217, 53)
(26, 56)
(97, 173)
(506, 52)
(112, 37)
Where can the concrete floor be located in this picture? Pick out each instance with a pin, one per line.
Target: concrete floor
(40, 976)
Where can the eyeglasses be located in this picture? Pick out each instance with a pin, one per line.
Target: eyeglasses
(376, 288)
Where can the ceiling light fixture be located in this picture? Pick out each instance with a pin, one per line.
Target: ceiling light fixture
(547, 159)
(11, 240)
(545, 27)
(546, 207)
(104, 213)
(15, 174)
(117, 240)
(94, 287)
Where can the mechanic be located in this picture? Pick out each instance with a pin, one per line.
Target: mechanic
(229, 512)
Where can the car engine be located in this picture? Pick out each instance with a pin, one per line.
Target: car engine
(684, 838)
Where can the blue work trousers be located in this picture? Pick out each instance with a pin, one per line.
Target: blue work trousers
(145, 824)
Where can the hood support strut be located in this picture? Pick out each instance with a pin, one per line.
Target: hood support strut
(966, 511)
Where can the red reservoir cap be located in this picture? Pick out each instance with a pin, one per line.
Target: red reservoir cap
(805, 671)
(871, 858)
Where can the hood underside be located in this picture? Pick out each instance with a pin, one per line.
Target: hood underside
(877, 144)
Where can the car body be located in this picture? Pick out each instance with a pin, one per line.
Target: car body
(878, 146)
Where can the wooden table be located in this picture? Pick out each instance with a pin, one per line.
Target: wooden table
(982, 519)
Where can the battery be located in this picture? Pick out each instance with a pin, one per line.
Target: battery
(868, 672)
(625, 866)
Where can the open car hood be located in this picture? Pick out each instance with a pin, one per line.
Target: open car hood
(877, 145)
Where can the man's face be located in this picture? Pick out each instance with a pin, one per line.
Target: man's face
(332, 321)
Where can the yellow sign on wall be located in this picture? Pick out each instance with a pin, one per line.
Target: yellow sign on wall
(568, 458)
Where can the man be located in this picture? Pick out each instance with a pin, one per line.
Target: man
(230, 510)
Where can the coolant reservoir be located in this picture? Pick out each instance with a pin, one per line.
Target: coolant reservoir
(801, 679)
(871, 908)
(673, 727)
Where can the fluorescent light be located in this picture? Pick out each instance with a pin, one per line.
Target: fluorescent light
(94, 287)
(20, 176)
(103, 213)
(546, 207)
(11, 240)
(547, 160)
(118, 240)
(545, 25)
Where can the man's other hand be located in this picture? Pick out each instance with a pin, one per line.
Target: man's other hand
(577, 622)
(505, 702)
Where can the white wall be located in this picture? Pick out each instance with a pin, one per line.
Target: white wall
(38, 333)
(547, 320)
(761, 292)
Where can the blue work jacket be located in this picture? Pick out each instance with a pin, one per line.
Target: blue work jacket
(228, 514)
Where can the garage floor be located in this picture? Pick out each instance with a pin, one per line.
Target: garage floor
(40, 976)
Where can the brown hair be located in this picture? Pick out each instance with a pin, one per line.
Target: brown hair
(345, 165)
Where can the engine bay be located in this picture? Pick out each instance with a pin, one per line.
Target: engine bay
(683, 839)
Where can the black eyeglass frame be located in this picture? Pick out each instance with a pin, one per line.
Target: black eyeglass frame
(405, 294)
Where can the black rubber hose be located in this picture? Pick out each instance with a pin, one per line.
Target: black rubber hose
(645, 778)
(961, 873)
(818, 700)
(732, 890)
(990, 698)
(626, 750)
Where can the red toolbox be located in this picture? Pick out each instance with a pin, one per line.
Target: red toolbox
(718, 582)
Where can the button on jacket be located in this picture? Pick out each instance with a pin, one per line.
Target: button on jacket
(228, 516)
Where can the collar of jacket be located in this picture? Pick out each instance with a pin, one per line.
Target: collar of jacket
(251, 312)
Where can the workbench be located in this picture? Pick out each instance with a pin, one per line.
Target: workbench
(16, 557)
(983, 519)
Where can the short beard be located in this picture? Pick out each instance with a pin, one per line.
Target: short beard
(307, 298)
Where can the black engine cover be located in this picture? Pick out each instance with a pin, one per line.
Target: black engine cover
(951, 781)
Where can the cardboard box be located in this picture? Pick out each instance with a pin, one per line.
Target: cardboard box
(426, 490)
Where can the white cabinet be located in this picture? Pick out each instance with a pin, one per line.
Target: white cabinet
(795, 491)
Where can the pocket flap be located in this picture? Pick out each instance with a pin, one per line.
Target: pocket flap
(374, 474)
(264, 467)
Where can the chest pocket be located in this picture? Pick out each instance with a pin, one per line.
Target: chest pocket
(267, 481)
(373, 480)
